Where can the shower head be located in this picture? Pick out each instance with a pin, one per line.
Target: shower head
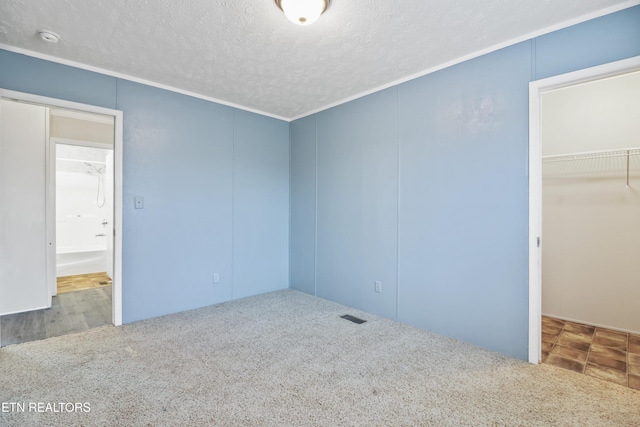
(95, 169)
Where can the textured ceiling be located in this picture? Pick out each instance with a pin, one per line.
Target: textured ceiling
(246, 53)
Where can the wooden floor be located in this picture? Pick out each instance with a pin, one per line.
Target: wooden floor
(69, 312)
(83, 281)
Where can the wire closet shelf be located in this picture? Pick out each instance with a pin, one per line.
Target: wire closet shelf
(594, 160)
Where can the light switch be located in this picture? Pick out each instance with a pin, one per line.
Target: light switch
(378, 286)
(138, 202)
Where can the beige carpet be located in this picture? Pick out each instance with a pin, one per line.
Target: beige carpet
(288, 359)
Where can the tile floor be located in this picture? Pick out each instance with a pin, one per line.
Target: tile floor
(602, 353)
(83, 281)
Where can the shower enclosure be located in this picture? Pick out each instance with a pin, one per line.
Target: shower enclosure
(84, 207)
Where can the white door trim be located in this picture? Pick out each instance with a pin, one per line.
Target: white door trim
(82, 143)
(50, 206)
(536, 89)
(117, 153)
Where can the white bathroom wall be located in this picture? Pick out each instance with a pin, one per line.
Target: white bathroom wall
(78, 215)
(591, 221)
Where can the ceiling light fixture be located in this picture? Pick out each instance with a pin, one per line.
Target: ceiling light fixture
(303, 12)
(49, 36)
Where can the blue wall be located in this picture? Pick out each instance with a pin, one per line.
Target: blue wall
(422, 186)
(428, 180)
(302, 250)
(215, 183)
(260, 205)
(357, 202)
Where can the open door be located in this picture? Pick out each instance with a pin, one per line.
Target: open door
(23, 243)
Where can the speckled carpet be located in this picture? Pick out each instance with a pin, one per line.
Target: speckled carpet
(288, 359)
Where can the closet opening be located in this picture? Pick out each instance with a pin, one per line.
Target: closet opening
(585, 222)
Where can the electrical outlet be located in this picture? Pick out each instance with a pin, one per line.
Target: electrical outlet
(216, 278)
(378, 286)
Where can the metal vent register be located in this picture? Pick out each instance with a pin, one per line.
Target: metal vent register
(353, 319)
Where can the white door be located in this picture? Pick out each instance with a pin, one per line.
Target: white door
(23, 243)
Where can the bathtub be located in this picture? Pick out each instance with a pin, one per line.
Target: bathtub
(81, 246)
(72, 261)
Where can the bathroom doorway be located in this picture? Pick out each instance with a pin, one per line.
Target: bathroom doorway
(83, 171)
(71, 279)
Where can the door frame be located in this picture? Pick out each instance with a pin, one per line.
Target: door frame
(51, 194)
(117, 199)
(536, 89)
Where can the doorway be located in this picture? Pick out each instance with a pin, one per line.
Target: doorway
(82, 145)
(591, 227)
(536, 238)
(76, 173)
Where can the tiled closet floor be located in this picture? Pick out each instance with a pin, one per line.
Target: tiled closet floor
(602, 353)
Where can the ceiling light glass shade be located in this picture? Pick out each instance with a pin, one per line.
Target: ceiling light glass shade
(303, 12)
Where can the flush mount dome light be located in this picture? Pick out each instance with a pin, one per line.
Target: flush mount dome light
(49, 36)
(303, 12)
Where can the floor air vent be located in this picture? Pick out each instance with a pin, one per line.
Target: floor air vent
(353, 319)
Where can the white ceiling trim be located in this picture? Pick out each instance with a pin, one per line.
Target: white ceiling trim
(476, 54)
(479, 53)
(133, 79)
